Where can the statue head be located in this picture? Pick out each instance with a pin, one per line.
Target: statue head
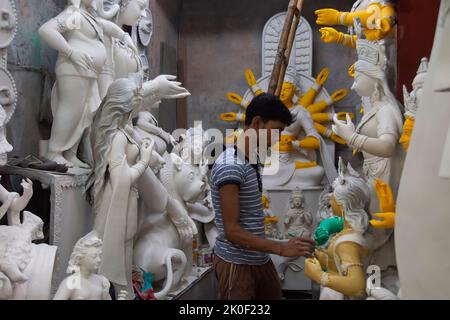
(128, 12)
(289, 88)
(297, 198)
(189, 181)
(370, 69)
(121, 104)
(351, 198)
(86, 254)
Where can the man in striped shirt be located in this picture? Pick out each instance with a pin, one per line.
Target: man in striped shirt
(242, 262)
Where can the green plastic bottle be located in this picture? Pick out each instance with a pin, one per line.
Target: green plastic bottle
(326, 228)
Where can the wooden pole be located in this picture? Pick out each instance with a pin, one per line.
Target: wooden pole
(287, 38)
(290, 44)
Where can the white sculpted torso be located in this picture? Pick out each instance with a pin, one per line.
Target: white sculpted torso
(126, 61)
(94, 288)
(381, 120)
(87, 38)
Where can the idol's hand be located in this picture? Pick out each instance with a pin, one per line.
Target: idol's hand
(330, 35)
(165, 87)
(313, 270)
(81, 59)
(344, 129)
(328, 17)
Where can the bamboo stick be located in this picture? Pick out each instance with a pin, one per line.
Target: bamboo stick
(287, 39)
(282, 46)
(290, 44)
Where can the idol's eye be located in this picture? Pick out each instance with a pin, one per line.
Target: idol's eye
(191, 176)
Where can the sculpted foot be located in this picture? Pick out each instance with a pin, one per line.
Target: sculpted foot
(59, 159)
(77, 163)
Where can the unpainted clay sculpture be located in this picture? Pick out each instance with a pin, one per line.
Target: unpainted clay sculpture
(84, 283)
(119, 163)
(25, 268)
(297, 220)
(164, 242)
(78, 34)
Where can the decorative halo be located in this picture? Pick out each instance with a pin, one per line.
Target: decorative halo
(7, 81)
(145, 28)
(8, 22)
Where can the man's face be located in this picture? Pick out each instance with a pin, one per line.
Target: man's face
(262, 135)
(273, 131)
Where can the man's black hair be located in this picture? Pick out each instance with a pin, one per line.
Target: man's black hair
(268, 107)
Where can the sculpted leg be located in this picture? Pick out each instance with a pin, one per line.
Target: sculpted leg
(70, 113)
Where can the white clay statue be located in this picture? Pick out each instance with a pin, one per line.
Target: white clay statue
(78, 34)
(377, 135)
(298, 221)
(84, 283)
(25, 268)
(119, 163)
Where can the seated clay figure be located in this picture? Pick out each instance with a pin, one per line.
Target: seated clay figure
(84, 283)
(298, 220)
(340, 268)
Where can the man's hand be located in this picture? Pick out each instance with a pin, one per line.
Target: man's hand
(297, 247)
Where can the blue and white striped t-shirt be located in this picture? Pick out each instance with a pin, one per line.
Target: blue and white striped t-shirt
(231, 167)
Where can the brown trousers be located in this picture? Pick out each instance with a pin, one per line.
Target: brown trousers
(246, 282)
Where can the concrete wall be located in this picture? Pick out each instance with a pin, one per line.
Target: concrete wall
(163, 54)
(29, 61)
(166, 16)
(219, 39)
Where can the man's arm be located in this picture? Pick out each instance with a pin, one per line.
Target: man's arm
(229, 202)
